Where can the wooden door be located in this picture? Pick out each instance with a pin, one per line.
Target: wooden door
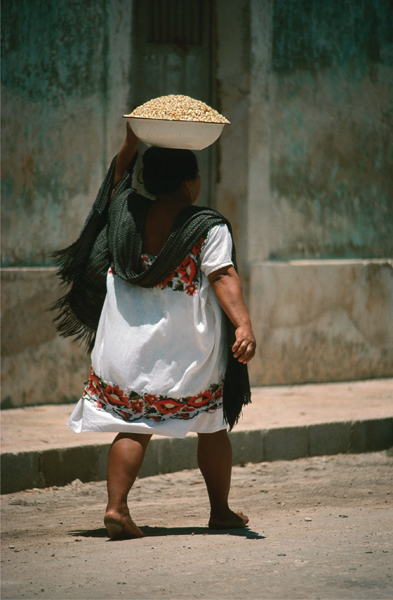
(172, 55)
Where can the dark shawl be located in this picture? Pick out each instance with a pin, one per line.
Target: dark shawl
(113, 233)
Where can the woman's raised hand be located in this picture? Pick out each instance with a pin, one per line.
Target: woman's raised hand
(131, 137)
(126, 154)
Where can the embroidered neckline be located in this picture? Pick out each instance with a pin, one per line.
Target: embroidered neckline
(186, 276)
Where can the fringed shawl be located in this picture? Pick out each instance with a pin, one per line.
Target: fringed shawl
(113, 233)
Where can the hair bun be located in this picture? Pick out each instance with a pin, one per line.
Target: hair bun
(165, 169)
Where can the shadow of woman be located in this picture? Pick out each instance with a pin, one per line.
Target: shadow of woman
(166, 531)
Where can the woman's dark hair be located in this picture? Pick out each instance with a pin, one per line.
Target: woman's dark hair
(165, 169)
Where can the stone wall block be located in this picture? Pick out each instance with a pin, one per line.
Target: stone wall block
(371, 436)
(329, 438)
(167, 455)
(285, 443)
(20, 471)
(247, 446)
(152, 462)
(61, 466)
(183, 454)
(38, 366)
(322, 320)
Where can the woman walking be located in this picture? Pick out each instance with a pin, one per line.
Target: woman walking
(155, 295)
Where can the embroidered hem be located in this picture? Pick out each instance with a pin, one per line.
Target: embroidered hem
(132, 406)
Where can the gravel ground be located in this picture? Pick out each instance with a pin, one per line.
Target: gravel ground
(319, 528)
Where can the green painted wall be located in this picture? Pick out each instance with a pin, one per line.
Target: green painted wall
(331, 128)
(52, 48)
(331, 95)
(54, 90)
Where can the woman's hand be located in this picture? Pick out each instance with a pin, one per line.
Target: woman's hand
(244, 347)
(227, 287)
(131, 137)
(126, 154)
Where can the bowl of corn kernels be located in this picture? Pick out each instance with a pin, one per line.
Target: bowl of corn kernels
(176, 121)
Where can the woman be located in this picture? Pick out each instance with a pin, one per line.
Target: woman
(149, 280)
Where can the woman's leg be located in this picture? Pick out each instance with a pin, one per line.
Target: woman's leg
(215, 463)
(125, 459)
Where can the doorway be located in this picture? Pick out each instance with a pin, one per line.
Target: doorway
(172, 54)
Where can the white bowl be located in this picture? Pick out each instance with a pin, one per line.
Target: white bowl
(192, 135)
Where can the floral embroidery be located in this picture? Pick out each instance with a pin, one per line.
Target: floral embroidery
(132, 406)
(185, 277)
(187, 270)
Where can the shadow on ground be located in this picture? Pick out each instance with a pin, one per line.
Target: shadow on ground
(166, 531)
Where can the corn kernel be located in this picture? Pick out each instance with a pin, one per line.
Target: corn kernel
(177, 108)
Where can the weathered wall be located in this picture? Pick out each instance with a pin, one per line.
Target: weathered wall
(53, 111)
(320, 187)
(303, 172)
(232, 82)
(329, 82)
(65, 85)
(38, 366)
(64, 76)
(322, 320)
(331, 119)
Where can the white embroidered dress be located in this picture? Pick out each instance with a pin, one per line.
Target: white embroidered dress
(160, 355)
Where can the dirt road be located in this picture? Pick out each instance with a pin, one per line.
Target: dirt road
(319, 528)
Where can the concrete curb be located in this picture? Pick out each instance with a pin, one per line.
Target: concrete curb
(59, 466)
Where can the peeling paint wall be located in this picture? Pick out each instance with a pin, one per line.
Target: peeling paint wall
(331, 128)
(320, 188)
(59, 63)
(304, 172)
(233, 88)
(65, 86)
(322, 320)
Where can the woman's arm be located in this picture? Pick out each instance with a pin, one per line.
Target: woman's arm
(228, 289)
(126, 154)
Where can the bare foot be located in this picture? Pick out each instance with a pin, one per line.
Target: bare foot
(121, 526)
(229, 520)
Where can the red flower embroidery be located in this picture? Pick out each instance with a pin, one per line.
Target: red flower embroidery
(201, 400)
(145, 262)
(114, 395)
(187, 269)
(191, 288)
(183, 279)
(218, 394)
(136, 406)
(151, 399)
(164, 283)
(168, 406)
(150, 406)
(93, 384)
(198, 246)
(187, 409)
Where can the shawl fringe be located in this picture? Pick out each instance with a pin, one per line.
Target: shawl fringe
(237, 391)
(67, 324)
(72, 260)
